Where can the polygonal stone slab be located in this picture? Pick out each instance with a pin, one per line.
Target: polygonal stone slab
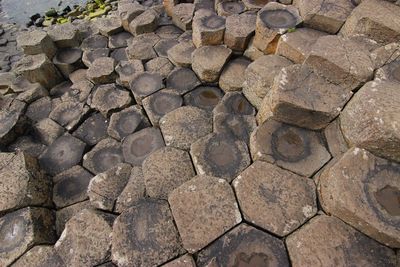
(65, 35)
(182, 15)
(203, 208)
(232, 77)
(126, 122)
(208, 30)
(93, 129)
(239, 29)
(47, 131)
(36, 42)
(346, 247)
(69, 114)
(244, 246)
(145, 84)
(70, 186)
(164, 45)
(127, 70)
(68, 60)
(109, 25)
(128, 11)
(89, 56)
(133, 191)
(28, 145)
(334, 138)
(95, 41)
(119, 40)
(144, 23)
(63, 215)
(39, 256)
(181, 54)
(234, 103)
(204, 97)
(252, 52)
(182, 80)
(65, 152)
(229, 8)
(22, 229)
(331, 58)
(184, 126)
(142, 47)
(237, 126)
(21, 182)
(298, 150)
(81, 90)
(209, 70)
(183, 261)
(166, 169)
(369, 201)
(102, 70)
(389, 72)
(138, 146)
(370, 120)
(255, 5)
(145, 235)
(259, 190)
(87, 236)
(105, 155)
(109, 97)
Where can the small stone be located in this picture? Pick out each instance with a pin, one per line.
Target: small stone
(203, 208)
(65, 35)
(296, 149)
(164, 45)
(68, 60)
(159, 65)
(208, 30)
(204, 97)
(39, 256)
(334, 138)
(126, 122)
(133, 191)
(145, 84)
(237, 126)
(142, 47)
(36, 42)
(239, 29)
(109, 25)
(47, 131)
(182, 15)
(109, 97)
(119, 40)
(181, 54)
(234, 103)
(232, 77)
(127, 70)
(89, 56)
(146, 22)
(183, 80)
(102, 70)
(69, 114)
(65, 214)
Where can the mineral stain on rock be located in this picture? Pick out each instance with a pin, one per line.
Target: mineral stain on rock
(389, 198)
(12, 232)
(278, 19)
(252, 260)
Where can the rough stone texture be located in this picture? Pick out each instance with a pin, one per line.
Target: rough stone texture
(181, 54)
(109, 25)
(371, 119)
(203, 208)
(334, 138)
(275, 199)
(322, 15)
(239, 29)
(183, 261)
(184, 126)
(93, 129)
(142, 47)
(378, 20)
(129, 11)
(68, 60)
(164, 45)
(209, 70)
(102, 70)
(252, 52)
(47, 131)
(208, 30)
(109, 97)
(234, 103)
(12, 120)
(259, 77)
(145, 84)
(89, 56)
(182, 80)
(69, 113)
(182, 15)
(86, 239)
(93, 42)
(159, 65)
(232, 77)
(369, 200)
(27, 145)
(36, 42)
(23, 229)
(127, 70)
(389, 72)
(229, 8)
(63, 215)
(119, 40)
(346, 247)
(144, 23)
(255, 5)
(65, 35)
(133, 191)
(341, 61)
(244, 246)
(385, 54)
(40, 256)
(237, 126)
(298, 150)
(145, 235)
(204, 97)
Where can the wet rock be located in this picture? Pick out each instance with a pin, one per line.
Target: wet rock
(144, 23)
(239, 29)
(66, 151)
(145, 235)
(164, 45)
(232, 77)
(128, 12)
(204, 97)
(119, 40)
(39, 109)
(93, 129)
(159, 65)
(138, 146)
(109, 97)
(69, 114)
(334, 138)
(89, 56)
(369, 202)
(203, 208)
(133, 191)
(65, 35)
(370, 119)
(209, 70)
(145, 84)
(330, 58)
(36, 42)
(39, 256)
(109, 25)
(237, 126)
(65, 214)
(182, 15)
(127, 70)
(260, 75)
(102, 70)
(68, 60)
(86, 239)
(182, 80)
(142, 47)
(181, 54)
(244, 246)
(184, 126)
(23, 229)
(347, 246)
(126, 122)
(47, 131)
(296, 149)
(208, 30)
(93, 42)
(183, 261)
(234, 103)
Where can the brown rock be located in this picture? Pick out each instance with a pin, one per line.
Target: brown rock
(47, 131)
(109, 97)
(89, 56)
(102, 70)
(208, 30)
(181, 54)
(65, 35)
(164, 45)
(385, 54)
(182, 80)
(252, 52)
(334, 138)
(239, 29)
(128, 12)
(95, 41)
(234, 103)
(159, 65)
(127, 70)
(144, 23)
(109, 25)
(229, 8)
(255, 5)
(182, 15)
(68, 60)
(389, 72)
(63, 215)
(237, 126)
(69, 113)
(183, 261)
(145, 84)
(232, 77)
(133, 191)
(93, 129)
(36, 42)
(39, 256)
(119, 40)
(204, 97)
(142, 47)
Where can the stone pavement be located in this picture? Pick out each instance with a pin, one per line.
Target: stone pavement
(206, 133)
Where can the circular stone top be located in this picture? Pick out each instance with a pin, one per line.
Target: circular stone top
(165, 102)
(212, 22)
(233, 7)
(278, 19)
(204, 97)
(68, 55)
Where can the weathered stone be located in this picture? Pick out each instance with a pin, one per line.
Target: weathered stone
(92, 130)
(36, 42)
(234, 103)
(144, 23)
(12, 121)
(252, 52)
(159, 65)
(232, 77)
(389, 72)
(209, 70)
(370, 119)
(182, 15)
(182, 80)
(109, 25)
(229, 8)
(369, 201)
(203, 208)
(59, 90)
(334, 138)
(28, 145)
(119, 55)
(259, 191)
(244, 246)
(297, 45)
(378, 20)
(93, 42)
(129, 11)
(65, 35)
(126, 122)
(183, 261)
(181, 54)
(273, 20)
(208, 30)
(68, 60)
(145, 84)
(255, 5)
(34, 92)
(81, 90)
(104, 188)
(298, 150)
(47, 131)
(22, 229)
(89, 56)
(127, 70)
(237, 126)
(39, 256)
(65, 214)
(102, 70)
(239, 29)
(133, 191)
(86, 239)
(164, 45)
(39, 109)
(145, 235)
(119, 40)
(169, 6)
(105, 155)
(169, 32)
(385, 54)
(69, 113)
(142, 47)
(109, 97)
(204, 97)
(184, 126)
(260, 75)
(21, 182)
(346, 247)
(341, 61)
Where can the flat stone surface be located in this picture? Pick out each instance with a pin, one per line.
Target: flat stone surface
(239, 29)
(296, 149)
(244, 246)
(63, 215)
(39, 256)
(159, 65)
(144, 23)
(164, 45)
(142, 47)
(95, 41)
(109, 26)
(208, 30)
(204, 97)
(183, 261)
(39, 109)
(109, 97)
(346, 247)
(203, 208)
(89, 56)
(145, 235)
(127, 70)
(182, 15)
(69, 113)
(370, 119)
(181, 54)
(237, 126)
(102, 70)
(119, 40)
(389, 72)
(232, 77)
(369, 201)
(259, 190)
(93, 129)
(182, 80)
(133, 191)
(36, 42)
(128, 11)
(184, 126)
(234, 103)
(47, 131)
(65, 35)
(145, 84)
(229, 8)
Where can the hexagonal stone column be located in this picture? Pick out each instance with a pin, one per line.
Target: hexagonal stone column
(69, 113)
(39, 256)
(93, 129)
(341, 61)
(21, 182)
(259, 190)
(145, 84)
(239, 29)
(389, 72)
(102, 70)
(346, 247)
(273, 20)
(23, 229)
(109, 97)
(327, 16)
(229, 8)
(244, 245)
(182, 15)
(296, 149)
(109, 25)
(334, 138)
(234, 103)
(133, 191)
(127, 71)
(142, 47)
(144, 23)
(208, 30)
(370, 120)
(86, 239)
(203, 208)
(36, 42)
(129, 11)
(126, 122)
(232, 77)
(68, 60)
(209, 70)
(370, 201)
(161, 103)
(145, 235)
(182, 80)
(65, 35)
(204, 97)
(181, 54)
(382, 14)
